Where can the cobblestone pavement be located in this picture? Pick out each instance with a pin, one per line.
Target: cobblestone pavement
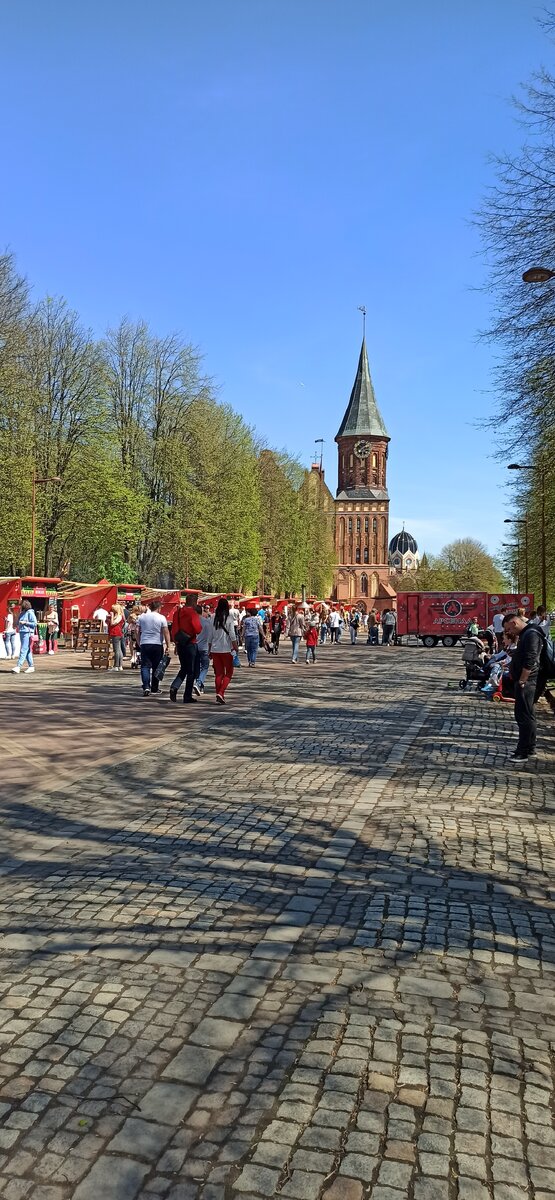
(300, 947)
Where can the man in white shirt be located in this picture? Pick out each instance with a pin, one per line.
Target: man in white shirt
(543, 619)
(101, 614)
(152, 633)
(498, 628)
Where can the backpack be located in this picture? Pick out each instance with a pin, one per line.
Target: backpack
(547, 657)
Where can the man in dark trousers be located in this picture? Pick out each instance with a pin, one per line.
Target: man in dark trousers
(529, 680)
(186, 625)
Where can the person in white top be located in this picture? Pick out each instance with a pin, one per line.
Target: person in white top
(152, 632)
(9, 635)
(222, 645)
(543, 619)
(101, 614)
(498, 628)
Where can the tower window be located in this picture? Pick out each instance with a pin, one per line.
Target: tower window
(366, 554)
(350, 524)
(358, 524)
(366, 524)
(364, 584)
(357, 554)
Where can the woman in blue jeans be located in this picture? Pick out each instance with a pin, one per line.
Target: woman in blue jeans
(251, 633)
(27, 628)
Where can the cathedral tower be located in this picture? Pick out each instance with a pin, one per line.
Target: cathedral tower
(362, 501)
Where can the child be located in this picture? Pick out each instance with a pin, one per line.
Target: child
(311, 639)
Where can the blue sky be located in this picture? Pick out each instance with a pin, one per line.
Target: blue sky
(249, 172)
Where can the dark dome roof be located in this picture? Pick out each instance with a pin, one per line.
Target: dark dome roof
(403, 543)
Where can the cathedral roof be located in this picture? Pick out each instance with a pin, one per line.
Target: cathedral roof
(404, 543)
(362, 415)
(363, 493)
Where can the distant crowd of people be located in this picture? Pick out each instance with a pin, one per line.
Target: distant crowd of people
(514, 657)
(201, 636)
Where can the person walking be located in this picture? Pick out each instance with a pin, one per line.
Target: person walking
(222, 645)
(203, 659)
(27, 628)
(388, 625)
(276, 626)
(152, 634)
(52, 628)
(295, 630)
(116, 622)
(186, 626)
(311, 638)
(529, 681)
(9, 635)
(252, 627)
(354, 623)
(334, 622)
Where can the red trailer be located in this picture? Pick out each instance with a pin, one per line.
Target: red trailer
(439, 616)
(445, 616)
(509, 602)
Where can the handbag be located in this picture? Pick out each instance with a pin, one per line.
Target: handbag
(236, 659)
(162, 667)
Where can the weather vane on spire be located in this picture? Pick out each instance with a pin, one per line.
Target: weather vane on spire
(362, 309)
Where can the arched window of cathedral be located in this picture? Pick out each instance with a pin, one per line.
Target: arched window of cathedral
(366, 554)
(364, 584)
(358, 524)
(366, 524)
(341, 530)
(351, 461)
(374, 525)
(357, 552)
(350, 524)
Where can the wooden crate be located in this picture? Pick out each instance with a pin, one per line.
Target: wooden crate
(100, 651)
(84, 631)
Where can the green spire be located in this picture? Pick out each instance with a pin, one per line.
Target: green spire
(362, 415)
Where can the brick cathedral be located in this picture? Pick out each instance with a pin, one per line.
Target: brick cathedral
(362, 500)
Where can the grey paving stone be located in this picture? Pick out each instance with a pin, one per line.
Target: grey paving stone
(193, 1064)
(261, 1180)
(118, 1178)
(144, 1139)
(167, 1103)
(221, 1034)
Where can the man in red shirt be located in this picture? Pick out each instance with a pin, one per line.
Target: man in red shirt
(186, 624)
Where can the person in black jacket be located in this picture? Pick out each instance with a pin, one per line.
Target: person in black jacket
(529, 681)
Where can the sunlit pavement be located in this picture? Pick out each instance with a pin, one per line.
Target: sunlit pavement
(300, 946)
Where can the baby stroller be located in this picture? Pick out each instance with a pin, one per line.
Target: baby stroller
(473, 659)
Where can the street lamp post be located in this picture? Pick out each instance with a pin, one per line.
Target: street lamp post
(37, 482)
(522, 521)
(510, 546)
(541, 471)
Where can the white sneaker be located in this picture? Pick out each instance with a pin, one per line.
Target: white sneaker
(50, 651)
(29, 670)
(16, 670)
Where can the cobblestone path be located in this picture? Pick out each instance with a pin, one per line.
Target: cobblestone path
(301, 947)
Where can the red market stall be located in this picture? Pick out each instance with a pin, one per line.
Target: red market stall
(169, 599)
(129, 593)
(10, 595)
(79, 601)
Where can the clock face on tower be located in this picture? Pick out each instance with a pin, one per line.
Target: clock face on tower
(362, 449)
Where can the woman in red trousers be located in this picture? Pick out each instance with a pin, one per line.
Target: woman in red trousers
(222, 645)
